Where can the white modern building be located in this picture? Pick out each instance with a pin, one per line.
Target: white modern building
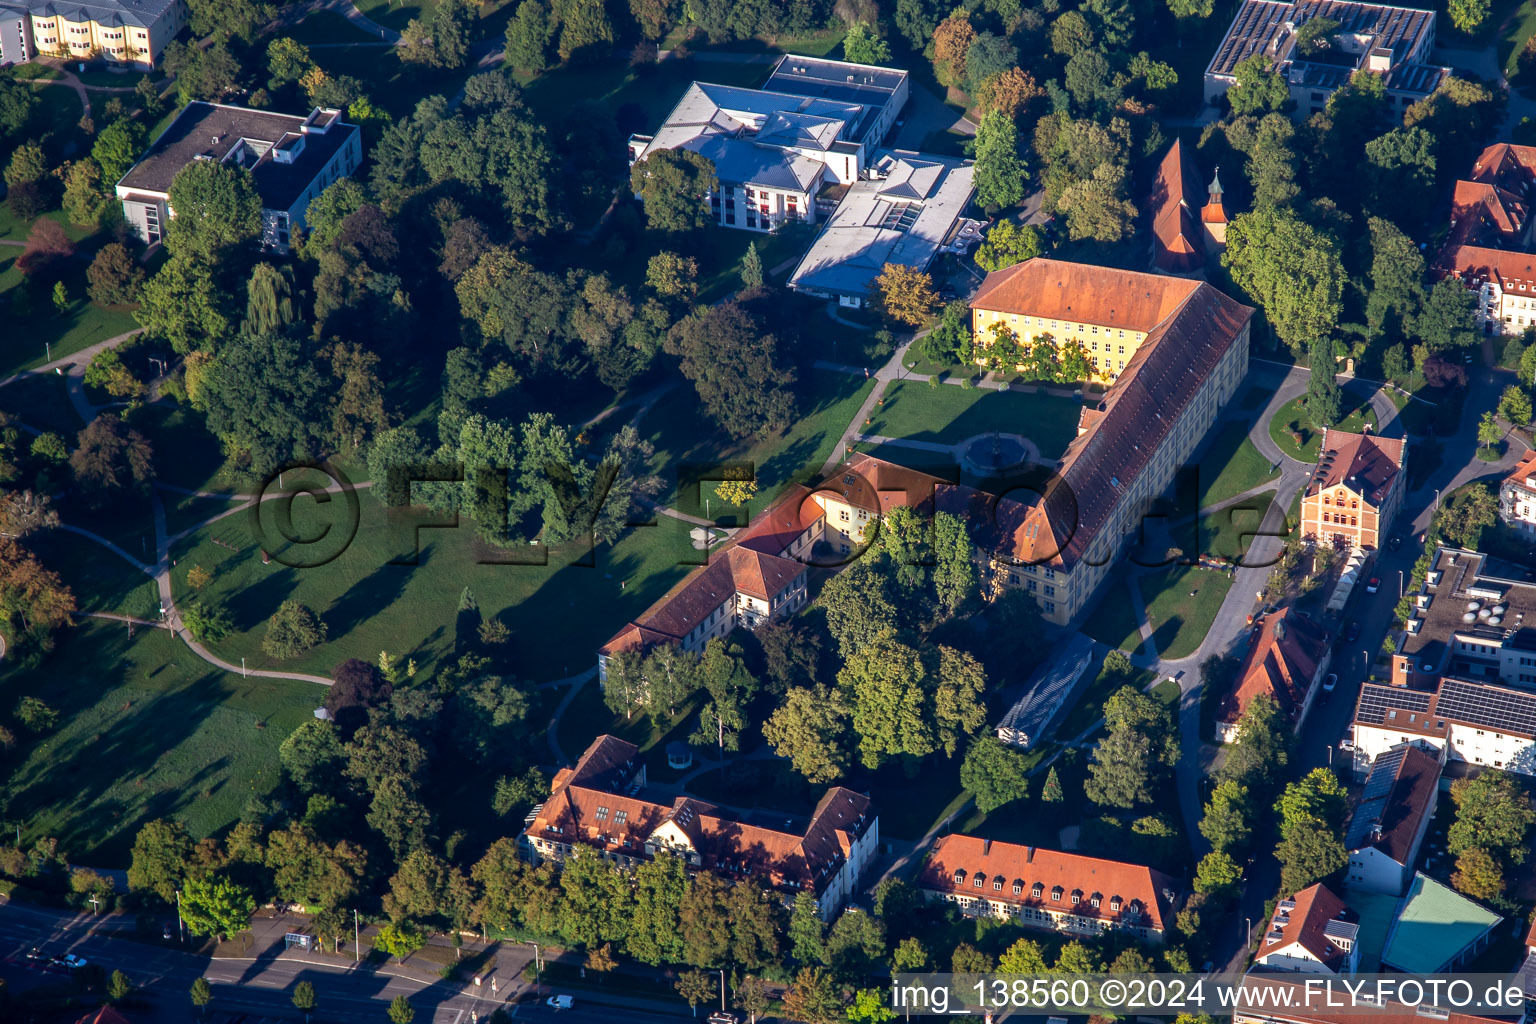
(813, 126)
(292, 159)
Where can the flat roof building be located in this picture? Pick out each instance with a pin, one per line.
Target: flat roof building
(1392, 42)
(118, 31)
(1437, 929)
(292, 159)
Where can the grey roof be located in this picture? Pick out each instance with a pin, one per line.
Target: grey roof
(807, 131)
(903, 218)
(107, 12)
(742, 162)
(1396, 800)
(211, 131)
(1050, 689)
(1260, 26)
(835, 80)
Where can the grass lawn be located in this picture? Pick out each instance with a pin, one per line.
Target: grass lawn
(395, 14)
(199, 461)
(35, 328)
(1090, 706)
(101, 580)
(683, 433)
(146, 730)
(949, 414)
(1357, 414)
(1231, 466)
(41, 401)
(815, 43)
(1512, 40)
(330, 27)
(1230, 532)
(559, 613)
(1181, 604)
(391, 84)
(34, 72)
(1034, 821)
(724, 248)
(588, 717)
(1113, 622)
(641, 97)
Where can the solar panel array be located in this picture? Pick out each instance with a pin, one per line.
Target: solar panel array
(1376, 701)
(1488, 706)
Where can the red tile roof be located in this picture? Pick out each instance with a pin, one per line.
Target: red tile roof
(1305, 924)
(1197, 325)
(1281, 663)
(1526, 467)
(590, 805)
(1138, 889)
(105, 1015)
(1364, 463)
(1472, 264)
(1085, 294)
(1178, 244)
(1490, 213)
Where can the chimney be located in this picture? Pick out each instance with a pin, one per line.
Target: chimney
(1029, 855)
(986, 847)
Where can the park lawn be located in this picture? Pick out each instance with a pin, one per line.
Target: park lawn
(34, 72)
(683, 433)
(147, 730)
(723, 250)
(35, 330)
(1090, 705)
(101, 580)
(559, 613)
(644, 96)
(1231, 466)
(1229, 532)
(948, 414)
(330, 27)
(187, 455)
(390, 83)
(1181, 605)
(815, 43)
(1357, 415)
(41, 401)
(1512, 41)
(395, 14)
(1114, 622)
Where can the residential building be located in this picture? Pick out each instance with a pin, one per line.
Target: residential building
(1287, 656)
(1437, 930)
(1517, 495)
(1049, 890)
(600, 804)
(1469, 621)
(292, 160)
(1474, 723)
(814, 125)
(758, 575)
(1313, 932)
(1387, 827)
(118, 31)
(1490, 242)
(1178, 236)
(1176, 350)
(1355, 491)
(1393, 43)
(908, 208)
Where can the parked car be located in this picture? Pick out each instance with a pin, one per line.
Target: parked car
(1346, 744)
(1373, 586)
(560, 1002)
(72, 962)
(1352, 632)
(1330, 682)
(165, 932)
(36, 954)
(1395, 542)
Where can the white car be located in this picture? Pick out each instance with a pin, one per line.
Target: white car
(71, 961)
(560, 1002)
(1346, 744)
(1330, 681)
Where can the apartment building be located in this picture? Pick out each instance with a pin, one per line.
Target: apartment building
(1176, 350)
(1517, 495)
(1356, 490)
(120, 31)
(1388, 825)
(1312, 932)
(1489, 246)
(1049, 890)
(292, 160)
(814, 124)
(601, 804)
(1394, 43)
(1287, 657)
(1460, 720)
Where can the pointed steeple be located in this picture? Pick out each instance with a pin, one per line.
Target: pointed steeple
(1215, 188)
(1214, 212)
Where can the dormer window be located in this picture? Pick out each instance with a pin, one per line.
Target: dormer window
(959, 876)
(979, 880)
(1077, 896)
(997, 883)
(1056, 894)
(1114, 903)
(1036, 890)
(1018, 887)
(1093, 900)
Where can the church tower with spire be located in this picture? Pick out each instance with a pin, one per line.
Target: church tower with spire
(1213, 218)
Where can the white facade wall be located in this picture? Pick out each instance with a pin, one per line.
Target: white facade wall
(1374, 871)
(1481, 746)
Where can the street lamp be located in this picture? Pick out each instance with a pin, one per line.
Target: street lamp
(357, 946)
(181, 937)
(535, 946)
(722, 990)
(1399, 584)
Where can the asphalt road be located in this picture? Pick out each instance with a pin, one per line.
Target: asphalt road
(262, 987)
